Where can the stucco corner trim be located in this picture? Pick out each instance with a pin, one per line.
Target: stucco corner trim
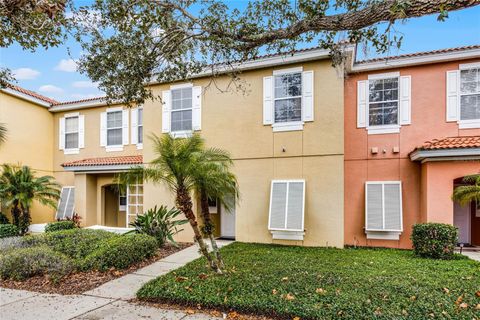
(383, 235)
(287, 235)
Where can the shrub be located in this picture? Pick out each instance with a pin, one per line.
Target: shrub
(28, 262)
(160, 223)
(3, 219)
(120, 252)
(60, 225)
(434, 240)
(8, 230)
(76, 243)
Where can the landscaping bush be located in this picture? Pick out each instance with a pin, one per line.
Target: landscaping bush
(76, 243)
(28, 262)
(120, 252)
(3, 219)
(160, 223)
(60, 225)
(434, 240)
(8, 230)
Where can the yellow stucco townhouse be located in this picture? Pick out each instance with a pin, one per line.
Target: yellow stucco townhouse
(284, 132)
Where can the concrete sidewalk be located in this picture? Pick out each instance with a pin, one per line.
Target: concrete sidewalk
(105, 302)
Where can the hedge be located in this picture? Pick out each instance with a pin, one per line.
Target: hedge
(8, 230)
(60, 225)
(434, 240)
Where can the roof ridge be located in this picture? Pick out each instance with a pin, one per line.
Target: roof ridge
(31, 93)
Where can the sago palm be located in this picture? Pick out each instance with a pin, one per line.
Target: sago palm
(467, 193)
(177, 165)
(3, 133)
(19, 188)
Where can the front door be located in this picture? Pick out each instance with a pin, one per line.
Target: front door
(461, 219)
(227, 222)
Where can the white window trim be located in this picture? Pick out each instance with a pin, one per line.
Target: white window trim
(136, 205)
(383, 234)
(291, 125)
(472, 123)
(117, 147)
(72, 150)
(181, 133)
(383, 129)
(284, 233)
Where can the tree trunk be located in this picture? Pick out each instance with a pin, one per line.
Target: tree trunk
(24, 219)
(207, 219)
(16, 214)
(184, 204)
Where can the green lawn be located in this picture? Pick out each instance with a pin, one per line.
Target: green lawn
(318, 283)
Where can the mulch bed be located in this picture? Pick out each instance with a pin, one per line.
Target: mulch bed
(80, 282)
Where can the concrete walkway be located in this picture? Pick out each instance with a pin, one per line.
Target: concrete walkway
(103, 303)
(474, 255)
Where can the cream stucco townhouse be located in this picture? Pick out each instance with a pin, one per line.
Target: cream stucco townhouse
(285, 134)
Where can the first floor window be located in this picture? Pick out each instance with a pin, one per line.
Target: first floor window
(383, 102)
(470, 94)
(140, 125)
(288, 97)
(181, 119)
(114, 128)
(383, 206)
(134, 202)
(287, 199)
(71, 132)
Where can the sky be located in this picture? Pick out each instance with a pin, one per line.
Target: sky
(53, 73)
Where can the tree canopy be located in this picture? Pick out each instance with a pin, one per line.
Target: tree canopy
(130, 43)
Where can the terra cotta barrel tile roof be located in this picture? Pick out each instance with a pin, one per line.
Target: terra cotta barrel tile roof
(451, 143)
(105, 161)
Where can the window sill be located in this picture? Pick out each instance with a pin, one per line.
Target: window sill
(383, 235)
(71, 151)
(287, 235)
(114, 148)
(181, 134)
(140, 146)
(469, 124)
(383, 129)
(287, 126)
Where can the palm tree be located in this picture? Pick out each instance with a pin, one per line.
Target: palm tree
(3, 133)
(19, 188)
(214, 180)
(179, 164)
(471, 192)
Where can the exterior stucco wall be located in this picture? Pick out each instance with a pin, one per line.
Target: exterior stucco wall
(234, 121)
(428, 112)
(29, 142)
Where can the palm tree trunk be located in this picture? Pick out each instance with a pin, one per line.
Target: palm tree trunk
(16, 214)
(207, 219)
(184, 204)
(25, 219)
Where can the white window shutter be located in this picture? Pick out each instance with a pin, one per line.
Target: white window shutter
(167, 106)
(295, 201)
(362, 94)
(267, 100)
(134, 125)
(405, 100)
(453, 79)
(103, 129)
(383, 206)
(374, 206)
(393, 206)
(81, 131)
(125, 125)
(278, 207)
(197, 108)
(61, 134)
(307, 95)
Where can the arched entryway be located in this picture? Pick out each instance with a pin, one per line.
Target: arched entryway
(467, 219)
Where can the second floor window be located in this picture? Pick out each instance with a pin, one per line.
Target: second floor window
(383, 102)
(470, 94)
(114, 128)
(71, 133)
(181, 117)
(140, 125)
(288, 97)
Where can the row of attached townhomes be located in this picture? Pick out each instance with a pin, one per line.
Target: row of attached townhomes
(323, 156)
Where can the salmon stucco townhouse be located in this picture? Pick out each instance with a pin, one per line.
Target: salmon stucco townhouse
(285, 135)
(412, 132)
(321, 159)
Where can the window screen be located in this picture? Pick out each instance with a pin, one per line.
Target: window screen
(114, 128)
(71, 133)
(470, 94)
(181, 109)
(383, 102)
(288, 97)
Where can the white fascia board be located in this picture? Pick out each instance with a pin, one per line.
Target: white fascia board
(81, 105)
(101, 169)
(426, 155)
(27, 97)
(418, 60)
